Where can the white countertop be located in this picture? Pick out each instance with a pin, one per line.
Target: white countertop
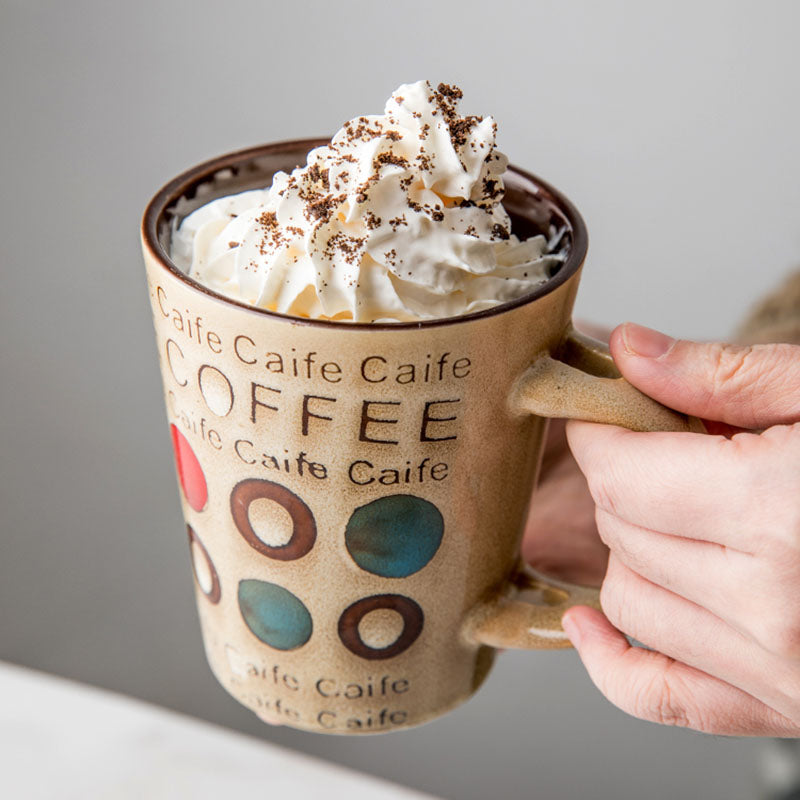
(61, 739)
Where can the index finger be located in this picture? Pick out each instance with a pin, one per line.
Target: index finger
(686, 484)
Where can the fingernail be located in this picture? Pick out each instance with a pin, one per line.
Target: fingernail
(645, 342)
(572, 630)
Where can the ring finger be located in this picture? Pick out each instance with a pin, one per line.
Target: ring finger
(707, 574)
(683, 630)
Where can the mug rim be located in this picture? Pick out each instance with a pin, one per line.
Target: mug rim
(194, 176)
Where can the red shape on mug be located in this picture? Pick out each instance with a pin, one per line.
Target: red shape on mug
(190, 473)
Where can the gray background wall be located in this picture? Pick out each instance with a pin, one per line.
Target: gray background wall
(673, 126)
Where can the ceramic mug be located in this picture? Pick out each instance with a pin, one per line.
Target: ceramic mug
(355, 494)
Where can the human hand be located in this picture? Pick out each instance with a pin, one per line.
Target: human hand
(704, 533)
(561, 536)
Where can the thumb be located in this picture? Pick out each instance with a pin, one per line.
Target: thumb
(748, 387)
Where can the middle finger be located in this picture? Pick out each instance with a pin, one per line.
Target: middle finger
(682, 630)
(705, 573)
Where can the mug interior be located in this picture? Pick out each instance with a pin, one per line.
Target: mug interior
(535, 208)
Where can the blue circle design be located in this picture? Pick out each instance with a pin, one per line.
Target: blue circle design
(394, 536)
(274, 614)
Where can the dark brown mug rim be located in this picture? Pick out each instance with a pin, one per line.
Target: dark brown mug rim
(179, 186)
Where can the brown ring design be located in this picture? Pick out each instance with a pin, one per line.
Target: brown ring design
(409, 610)
(304, 527)
(215, 592)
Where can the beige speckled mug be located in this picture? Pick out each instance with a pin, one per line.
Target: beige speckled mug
(355, 494)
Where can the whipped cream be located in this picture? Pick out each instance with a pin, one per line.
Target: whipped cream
(399, 218)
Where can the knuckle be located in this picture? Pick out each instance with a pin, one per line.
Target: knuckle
(787, 645)
(782, 637)
(614, 604)
(731, 365)
(622, 543)
(772, 617)
(659, 700)
(605, 527)
(629, 554)
(734, 368)
(602, 489)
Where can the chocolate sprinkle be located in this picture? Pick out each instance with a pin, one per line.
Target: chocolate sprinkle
(500, 232)
(327, 190)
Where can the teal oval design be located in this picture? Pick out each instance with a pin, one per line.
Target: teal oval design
(274, 615)
(394, 536)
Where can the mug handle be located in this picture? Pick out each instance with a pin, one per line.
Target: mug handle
(582, 384)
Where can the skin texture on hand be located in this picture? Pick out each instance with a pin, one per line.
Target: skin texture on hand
(704, 539)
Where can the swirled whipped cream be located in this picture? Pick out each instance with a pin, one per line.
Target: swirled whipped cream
(399, 218)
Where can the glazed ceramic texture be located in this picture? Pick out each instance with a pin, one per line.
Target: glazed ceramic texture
(355, 494)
